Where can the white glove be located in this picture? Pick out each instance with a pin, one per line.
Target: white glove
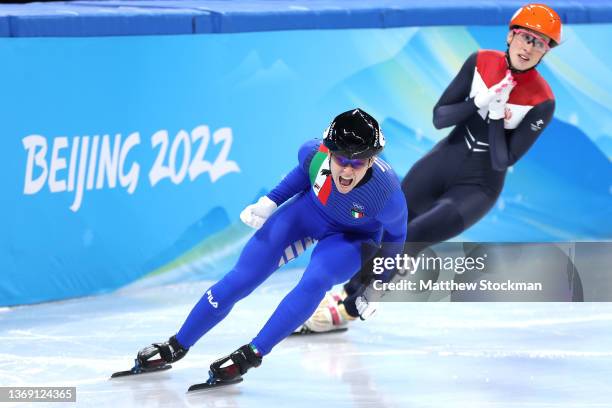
(256, 214)
(497, 107)
(483, 98)
(365, 308)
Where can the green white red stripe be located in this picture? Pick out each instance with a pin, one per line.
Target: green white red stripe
(357, 214)
(319, 178)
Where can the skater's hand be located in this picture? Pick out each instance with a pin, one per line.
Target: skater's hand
(497, 107)
(361, 303)
(256, 214)
(365, 308)
(484, 98)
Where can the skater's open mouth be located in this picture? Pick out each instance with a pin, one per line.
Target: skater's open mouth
(523, 57)
(345, 181)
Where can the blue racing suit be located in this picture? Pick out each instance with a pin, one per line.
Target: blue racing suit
(374, 210)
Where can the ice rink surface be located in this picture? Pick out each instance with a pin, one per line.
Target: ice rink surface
(408, 355)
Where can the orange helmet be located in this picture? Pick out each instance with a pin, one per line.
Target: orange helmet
(539, 18)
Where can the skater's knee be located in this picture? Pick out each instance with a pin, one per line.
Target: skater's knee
(242, 281)
(442, 222)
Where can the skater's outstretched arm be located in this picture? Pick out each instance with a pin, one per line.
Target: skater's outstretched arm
(507, 147)
(453, 107)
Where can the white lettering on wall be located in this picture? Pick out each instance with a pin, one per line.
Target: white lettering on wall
(36, 147)
(84, 163)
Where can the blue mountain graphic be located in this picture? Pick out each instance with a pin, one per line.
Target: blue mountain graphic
(212, 222)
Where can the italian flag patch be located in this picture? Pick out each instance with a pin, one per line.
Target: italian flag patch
(320, 180)
(357, 214)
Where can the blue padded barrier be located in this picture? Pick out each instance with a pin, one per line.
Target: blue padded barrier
(154, 17)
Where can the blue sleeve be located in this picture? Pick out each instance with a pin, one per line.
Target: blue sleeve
(394, 218)
(297, 180)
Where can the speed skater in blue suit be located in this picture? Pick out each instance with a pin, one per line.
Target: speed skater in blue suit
(342, 196)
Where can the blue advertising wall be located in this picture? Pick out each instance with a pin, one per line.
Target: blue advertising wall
(130, 156)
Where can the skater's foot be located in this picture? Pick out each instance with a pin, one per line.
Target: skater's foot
(236, 364)
(159, 354)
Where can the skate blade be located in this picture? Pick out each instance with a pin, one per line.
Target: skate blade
(216, 384)
(307, 332)
(141, 371)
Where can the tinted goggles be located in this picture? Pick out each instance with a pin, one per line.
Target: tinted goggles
(345, 162)
(527, 37)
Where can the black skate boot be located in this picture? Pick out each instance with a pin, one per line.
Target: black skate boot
(167, 352)
(156, 357)
(229, 370)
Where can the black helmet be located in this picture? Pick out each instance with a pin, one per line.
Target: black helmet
(354, 134)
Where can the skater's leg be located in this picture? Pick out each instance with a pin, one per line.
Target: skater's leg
(259, 258)
(459, 208)
(334, 259)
